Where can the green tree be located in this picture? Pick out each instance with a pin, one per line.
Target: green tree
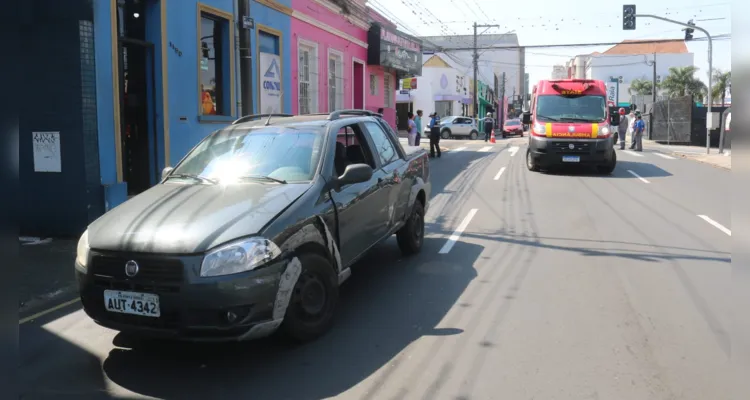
(721, 81)
(682, 82)
(642, 87)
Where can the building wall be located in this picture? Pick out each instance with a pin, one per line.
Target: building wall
(377, 100)
(429, 86)
(635, 66)
(315, 23)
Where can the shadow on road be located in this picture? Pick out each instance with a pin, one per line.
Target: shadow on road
(387, 304)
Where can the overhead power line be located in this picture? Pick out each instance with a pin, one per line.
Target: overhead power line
(540, 46)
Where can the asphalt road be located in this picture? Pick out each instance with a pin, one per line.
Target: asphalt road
(564, 285)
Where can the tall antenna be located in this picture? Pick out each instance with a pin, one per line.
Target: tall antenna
(268, 121)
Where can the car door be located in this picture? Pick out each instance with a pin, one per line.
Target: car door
(459, 127)
(357, 204)
(391, 163)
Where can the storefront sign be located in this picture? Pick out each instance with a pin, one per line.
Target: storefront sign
(46, 151)
(611, 93)
(393, 49)
(270, 87)
(409, 83)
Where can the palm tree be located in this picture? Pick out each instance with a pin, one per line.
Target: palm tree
(682, 82)
(641, 87)
(721, 81)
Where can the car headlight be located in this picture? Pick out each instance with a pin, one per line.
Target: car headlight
(241, 256)
(604, 132)
(539, 129)
(82, 252)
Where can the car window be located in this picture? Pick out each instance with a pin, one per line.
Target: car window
(383, 146)
(351, 148)
(513, 123)
(279, 152)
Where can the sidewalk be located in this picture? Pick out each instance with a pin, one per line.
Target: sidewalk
(423, 143)
(695, 153)
(47, 273)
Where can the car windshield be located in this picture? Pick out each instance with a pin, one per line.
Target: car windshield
(270, 153)
(513, 123)
(554, 108)
(446, 120)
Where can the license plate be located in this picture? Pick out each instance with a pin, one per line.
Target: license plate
(571, 159)
(143, 304)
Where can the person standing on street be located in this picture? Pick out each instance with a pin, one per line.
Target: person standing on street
(622, 128)
(488, 125)
(631, 124)
(380, 110)
(418, 121)
(412, 132)
(434, 135)
(638, 127)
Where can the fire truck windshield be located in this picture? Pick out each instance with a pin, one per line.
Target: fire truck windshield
(555, 108)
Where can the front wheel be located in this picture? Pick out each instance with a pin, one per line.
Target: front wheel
(411, 236)
(445, 134)
(530, 163)
(473, 135)
(313, 300)
(608, 168)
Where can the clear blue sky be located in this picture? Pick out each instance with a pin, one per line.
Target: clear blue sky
(555, 22)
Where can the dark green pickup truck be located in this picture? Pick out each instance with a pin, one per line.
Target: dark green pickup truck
(255, 229)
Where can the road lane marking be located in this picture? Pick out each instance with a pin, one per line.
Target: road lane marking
(47, 311)
(513, 150)
(632, 153)
(485, 149)
(457, 233)
(458, 149)
(664, 156)
(638, 176)
(716, 224)
(499, 173)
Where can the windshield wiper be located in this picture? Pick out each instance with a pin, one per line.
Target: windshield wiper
(548, 118)
(265, 178)
(578, 119)
(194, 177)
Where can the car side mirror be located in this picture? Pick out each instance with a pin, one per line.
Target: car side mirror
(165, 172)
(526, 118)
(355, 173)
(615, 119)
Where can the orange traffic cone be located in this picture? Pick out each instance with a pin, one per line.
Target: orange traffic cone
(492, 136)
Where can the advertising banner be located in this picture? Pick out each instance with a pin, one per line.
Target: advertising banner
(269, 66)
(612, 94)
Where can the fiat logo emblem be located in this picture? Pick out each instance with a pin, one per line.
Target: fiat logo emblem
(571, 128)
(131, 268)
(571, 146)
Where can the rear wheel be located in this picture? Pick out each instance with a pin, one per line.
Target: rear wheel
(314, 299)
(411, 236)
(445, 134)
(473, 135)
(530, 163)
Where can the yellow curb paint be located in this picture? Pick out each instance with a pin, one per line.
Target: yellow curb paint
(47, 311)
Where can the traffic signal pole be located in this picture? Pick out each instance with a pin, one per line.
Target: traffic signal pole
(710, 68)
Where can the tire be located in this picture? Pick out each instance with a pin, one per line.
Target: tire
(411, 236)
(306, 322)
(445, 134)
(473, 135)
(609, 168)
(530, 164)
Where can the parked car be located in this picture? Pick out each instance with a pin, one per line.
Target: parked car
(456, 126)
(254, 229)
(512, 127)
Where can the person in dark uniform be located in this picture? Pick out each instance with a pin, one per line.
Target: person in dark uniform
(434, 135)
(489, 124)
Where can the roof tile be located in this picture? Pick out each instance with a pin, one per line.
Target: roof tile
(640, 47)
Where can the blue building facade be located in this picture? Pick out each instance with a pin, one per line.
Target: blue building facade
(151, 78)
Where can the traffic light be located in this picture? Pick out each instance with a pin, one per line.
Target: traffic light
(689, 31)
(628, 17)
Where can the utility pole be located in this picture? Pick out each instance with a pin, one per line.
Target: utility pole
(629, 17)
(476, 64)
(502, 102)
(246, 80)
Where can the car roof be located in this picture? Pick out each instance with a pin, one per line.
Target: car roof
(314, 121)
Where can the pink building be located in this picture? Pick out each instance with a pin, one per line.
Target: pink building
(330, 63)
(329, 58)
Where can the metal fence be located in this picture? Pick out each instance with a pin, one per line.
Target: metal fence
(672, 120)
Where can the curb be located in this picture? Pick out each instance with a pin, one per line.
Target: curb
(43, 302)
(695, 158)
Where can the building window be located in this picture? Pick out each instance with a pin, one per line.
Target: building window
(335, 80)
(373, 85)
(387, 90)
(269, 71)
(308, 77)
(215, 65)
